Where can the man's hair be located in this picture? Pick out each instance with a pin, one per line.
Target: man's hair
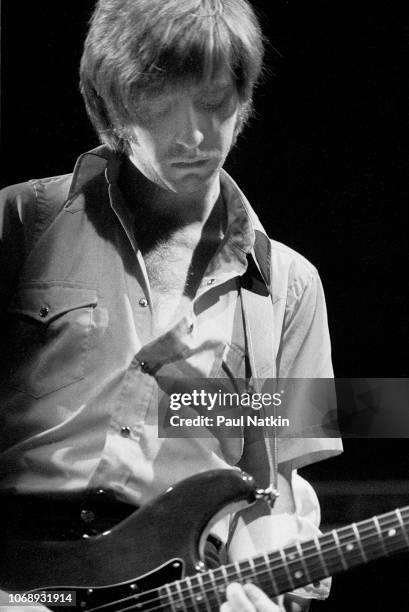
(138, 47)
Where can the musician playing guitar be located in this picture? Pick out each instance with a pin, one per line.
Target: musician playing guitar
(147, 264)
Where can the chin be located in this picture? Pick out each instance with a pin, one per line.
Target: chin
(192, 183)
(193, 186)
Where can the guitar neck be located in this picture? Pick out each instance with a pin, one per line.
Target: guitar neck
(297, 565)
(331, 553)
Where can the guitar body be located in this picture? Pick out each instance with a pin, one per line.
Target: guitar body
(152, 561)
(157, 544)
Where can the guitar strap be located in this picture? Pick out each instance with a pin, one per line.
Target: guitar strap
(258, 320)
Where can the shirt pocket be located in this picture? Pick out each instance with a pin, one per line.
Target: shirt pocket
(49, 336)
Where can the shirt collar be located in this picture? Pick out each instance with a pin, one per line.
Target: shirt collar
(242, 234)
(242, 222)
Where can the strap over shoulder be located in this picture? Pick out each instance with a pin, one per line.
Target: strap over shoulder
(262, 256)
(258, 309)
(258, 315)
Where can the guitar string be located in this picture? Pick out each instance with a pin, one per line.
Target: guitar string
(176, 601)
(367, 525)
(180, 604)
(249, 572)
(281, 567)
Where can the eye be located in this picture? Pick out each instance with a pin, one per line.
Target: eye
(154, 108)
(157, 108)
(212, 105)
(213, 101)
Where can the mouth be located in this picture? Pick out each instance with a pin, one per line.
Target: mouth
(190, 163)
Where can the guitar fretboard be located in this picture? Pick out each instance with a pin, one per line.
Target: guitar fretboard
(297, 565)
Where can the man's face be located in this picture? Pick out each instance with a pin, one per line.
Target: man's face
(182, 136)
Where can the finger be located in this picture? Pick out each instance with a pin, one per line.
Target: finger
(259, 599)
(225, 607)
(237, 598)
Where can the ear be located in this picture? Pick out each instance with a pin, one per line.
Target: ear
(126, 137)
(243, 116)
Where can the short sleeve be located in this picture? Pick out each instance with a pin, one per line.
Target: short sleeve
(304, 357)
(14, 201)
(305, 347)
(26, 209)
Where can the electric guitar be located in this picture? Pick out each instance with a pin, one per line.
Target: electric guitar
(152, 561)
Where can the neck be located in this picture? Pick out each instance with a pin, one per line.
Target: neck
(161, 215)
(159, 204)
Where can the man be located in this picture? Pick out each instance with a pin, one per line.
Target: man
(132, 270)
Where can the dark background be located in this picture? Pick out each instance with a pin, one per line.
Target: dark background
(325, 165)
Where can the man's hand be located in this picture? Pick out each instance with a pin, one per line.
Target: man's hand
(247, 598)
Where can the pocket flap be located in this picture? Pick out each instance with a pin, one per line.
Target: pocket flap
(44, 301)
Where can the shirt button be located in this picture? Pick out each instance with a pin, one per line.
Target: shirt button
(144, 366)
(143, 302)
(125, 432)
(87, 516)
(44, 310)
(211, 281)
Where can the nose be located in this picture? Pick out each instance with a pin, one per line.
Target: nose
(189, 131)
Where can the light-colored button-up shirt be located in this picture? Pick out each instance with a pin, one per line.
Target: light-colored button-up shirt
(80, 392)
